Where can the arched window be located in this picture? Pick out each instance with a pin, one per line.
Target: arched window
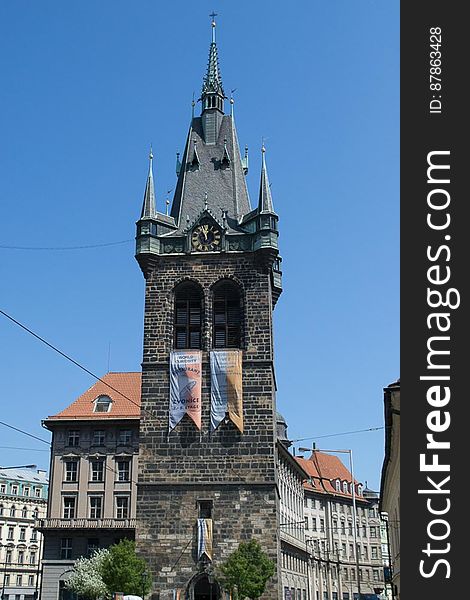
(345, 487)
(188, 316)
(102, 404)
(338, 485)
(227, 318)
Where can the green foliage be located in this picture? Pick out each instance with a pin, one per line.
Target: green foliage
(117, 569)
(123, 571)
(86, 579)
(248, 568)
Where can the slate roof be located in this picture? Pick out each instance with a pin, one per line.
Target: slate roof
(225, 185)
(122, 408)
(24, 475)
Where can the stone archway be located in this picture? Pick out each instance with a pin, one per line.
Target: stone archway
(204, 587)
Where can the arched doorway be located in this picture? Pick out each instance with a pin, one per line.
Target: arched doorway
(205, 589)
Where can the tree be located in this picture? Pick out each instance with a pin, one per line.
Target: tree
(248, 568)
(124, 571)
(86, 578)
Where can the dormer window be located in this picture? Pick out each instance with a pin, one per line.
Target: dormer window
(345, 487)
(102, 404)
(359, 490)
(338, 485)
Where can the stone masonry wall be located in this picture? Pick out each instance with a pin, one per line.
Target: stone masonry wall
(236, 471)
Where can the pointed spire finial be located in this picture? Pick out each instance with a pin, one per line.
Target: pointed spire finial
(205, 201)
(265, 199)
(149, 206)
(213, 16)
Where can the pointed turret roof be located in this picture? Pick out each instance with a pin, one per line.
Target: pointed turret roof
(265, 204)
(212, 83)
(148, 206)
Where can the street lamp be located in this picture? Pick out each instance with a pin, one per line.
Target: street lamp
(353, 493)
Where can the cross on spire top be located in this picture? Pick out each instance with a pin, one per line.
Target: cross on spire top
(213, 16)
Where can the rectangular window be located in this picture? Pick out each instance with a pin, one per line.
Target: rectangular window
(69, 507)
(334, 595)
(7, 579)
(34, 535)
(37, 492)
(124, 470)
(373, 532)
(71, 470)
(93, 544)
(66, 548)
(376, 574)
(10, 533)
(98, 437)
(314, 523)
(205, 509)
(30, 580)
(73, 437)
(26, 491)
(97, 470)
(22, 534)
(374, 551)
(345, 595)
(32, 558)
(3, 488)
(366, 553)
(306, 523)
(19, 580)
(14, 490)
(125, 437)
(122, 507)
(96, 506)
(322, 525)
(21, 557)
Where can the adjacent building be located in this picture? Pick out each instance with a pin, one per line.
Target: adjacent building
(390, 483)
(344, 564)
(92, 499)
(295, 556)
(23, 500)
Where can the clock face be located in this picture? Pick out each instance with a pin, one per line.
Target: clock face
(205, 238)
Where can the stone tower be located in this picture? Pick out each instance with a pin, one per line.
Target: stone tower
(207, 470)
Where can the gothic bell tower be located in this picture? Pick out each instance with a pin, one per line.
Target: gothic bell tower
(207, 465)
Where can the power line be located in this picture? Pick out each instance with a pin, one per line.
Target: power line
(21, 448)
(73, 361)
(25, 433)
(318, 437)
(52, 248)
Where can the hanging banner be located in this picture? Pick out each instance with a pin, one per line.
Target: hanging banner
(185, 386)
(226, 387)
(204, 538)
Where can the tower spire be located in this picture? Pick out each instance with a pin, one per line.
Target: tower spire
(148, 206)
(265, 204)
(212, 90)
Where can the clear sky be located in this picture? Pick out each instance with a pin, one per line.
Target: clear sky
(87, 87)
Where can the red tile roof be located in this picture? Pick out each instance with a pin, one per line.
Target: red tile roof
(128, 384)
(324, 469)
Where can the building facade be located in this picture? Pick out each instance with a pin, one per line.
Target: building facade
(94, 462)
(390, 483)
(339, 570)
(212, 274)
(23, 500)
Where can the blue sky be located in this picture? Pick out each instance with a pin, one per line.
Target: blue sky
(88, 86)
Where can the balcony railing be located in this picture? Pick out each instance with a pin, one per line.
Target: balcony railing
(42, 524)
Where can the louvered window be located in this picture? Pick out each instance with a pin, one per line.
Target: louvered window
(227, 316)
(188, 316)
